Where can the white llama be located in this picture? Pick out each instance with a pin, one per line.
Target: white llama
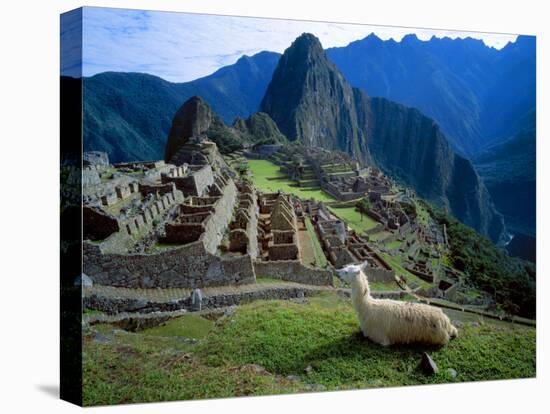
(390, 322)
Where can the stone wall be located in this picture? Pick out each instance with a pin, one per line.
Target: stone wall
(293, 271)
(338, 193)
(113, 306)
(286, 251)
(146, 189)
(203, 178)
(244, 227)
(187, 266)
(144, 221)
(208, 226)
(90, 177)
(196, 183)
(378, 274)
(217, 223)
(97, 224)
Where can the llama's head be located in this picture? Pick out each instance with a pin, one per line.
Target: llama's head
(441, 329)
(347, 273)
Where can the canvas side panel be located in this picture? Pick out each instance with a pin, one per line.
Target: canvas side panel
(71, 206)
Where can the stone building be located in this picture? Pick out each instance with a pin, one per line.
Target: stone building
(185, 208)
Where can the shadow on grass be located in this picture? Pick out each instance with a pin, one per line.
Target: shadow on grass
(355, 347)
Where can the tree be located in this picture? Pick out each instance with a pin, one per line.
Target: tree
(295, 170)
(242, 170)
(363, 206)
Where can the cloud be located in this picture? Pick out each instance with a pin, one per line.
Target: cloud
(181, 46)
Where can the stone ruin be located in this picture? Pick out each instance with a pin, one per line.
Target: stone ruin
(243, 235)
(343, 246)
(278, 224)
(278, 242)
(186, 222)
(333, 171)
(156, 224)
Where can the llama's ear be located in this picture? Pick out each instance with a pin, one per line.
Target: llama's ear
(364, 265)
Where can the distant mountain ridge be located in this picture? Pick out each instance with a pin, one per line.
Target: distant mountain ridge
(474, 92)
(311, 102)
(464, 85)
(129, 115)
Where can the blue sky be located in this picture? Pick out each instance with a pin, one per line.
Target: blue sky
(180, 46)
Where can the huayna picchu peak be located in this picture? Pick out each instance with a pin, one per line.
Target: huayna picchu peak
(311, 102)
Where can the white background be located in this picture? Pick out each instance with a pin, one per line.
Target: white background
(29, 217)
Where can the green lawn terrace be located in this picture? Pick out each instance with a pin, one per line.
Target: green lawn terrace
(268, 177)
(276, 347)
(235, 159)
(357, 221)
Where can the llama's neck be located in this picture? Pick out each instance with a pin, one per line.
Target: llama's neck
(360, 286)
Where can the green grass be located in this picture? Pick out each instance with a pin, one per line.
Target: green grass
(92, 312)
(135, 368)
(320, 258)
(422, 215)
(395, 264)
(189, 326)
(285, 338)
(353, 218)
(379, 236)
(393, 245)
(267, 177)
(325, 335)
(374, 286)
(159, 247)
(383, 286)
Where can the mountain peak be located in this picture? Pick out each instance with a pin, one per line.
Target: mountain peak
(307, 39)
(411, 37)
(310, 101)
(372, 36)
(191, 121)
(305, 45)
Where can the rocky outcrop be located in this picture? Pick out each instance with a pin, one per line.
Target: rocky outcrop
(311, 102)
(259, 128)
(192, 120)
(195, 121)
(95, 158)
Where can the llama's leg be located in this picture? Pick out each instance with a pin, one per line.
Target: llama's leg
(385, 342)
(380, 338)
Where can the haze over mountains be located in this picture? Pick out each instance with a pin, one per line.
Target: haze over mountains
(479, 96)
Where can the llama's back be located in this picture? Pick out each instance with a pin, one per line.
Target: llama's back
(390, 321)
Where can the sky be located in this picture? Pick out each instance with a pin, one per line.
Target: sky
(181, 47)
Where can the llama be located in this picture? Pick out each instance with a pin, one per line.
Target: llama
(388, 322)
